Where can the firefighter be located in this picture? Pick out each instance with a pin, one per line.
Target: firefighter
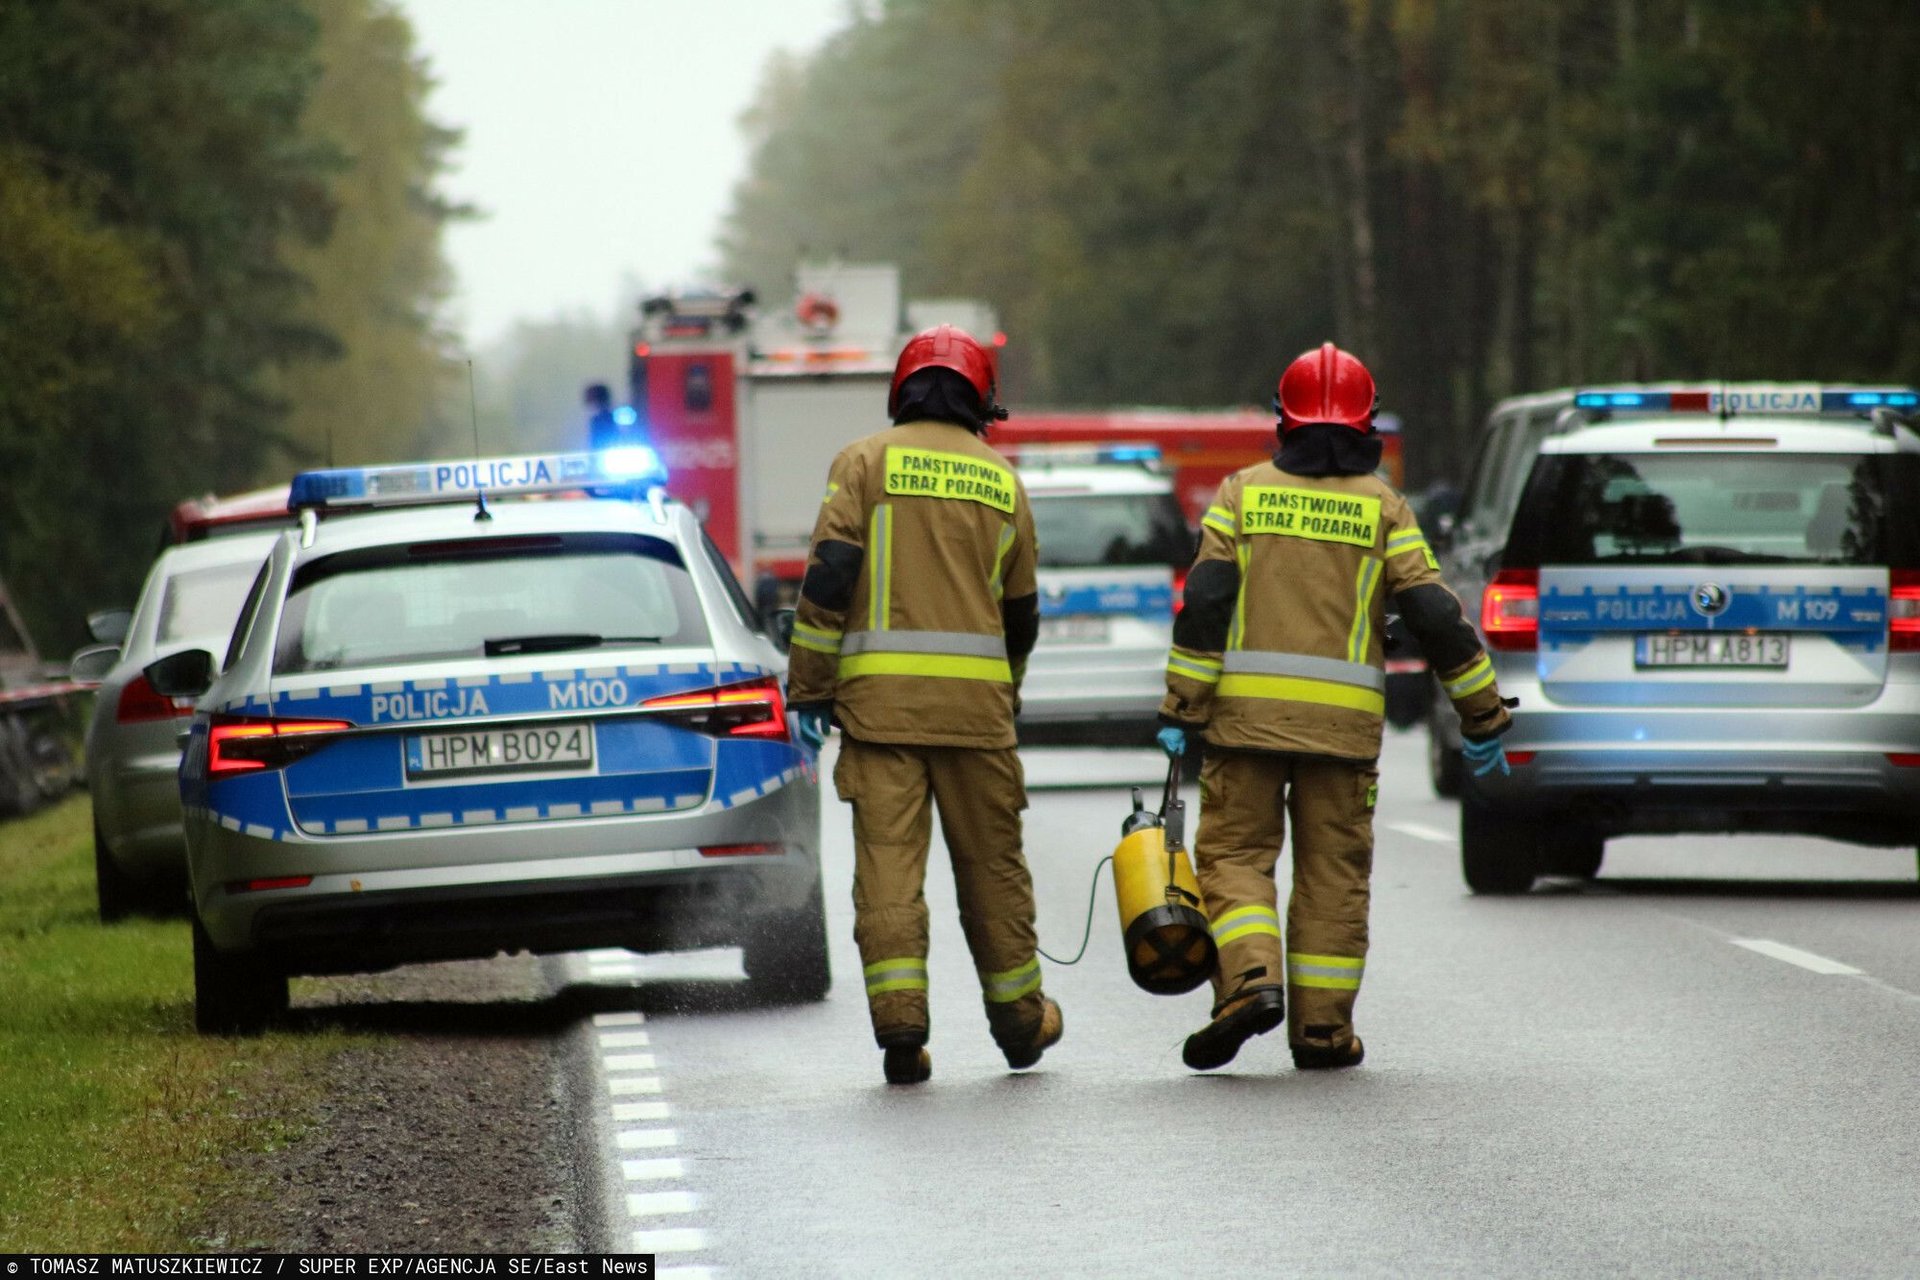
(917, 613)
(1277, 660)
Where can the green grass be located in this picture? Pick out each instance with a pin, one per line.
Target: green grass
(114, 1115)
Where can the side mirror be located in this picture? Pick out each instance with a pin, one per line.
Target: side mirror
(186, 674)
(110, 626)
(780, 627)
(91, 664)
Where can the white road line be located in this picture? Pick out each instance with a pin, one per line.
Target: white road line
(640, 1111)
(647, 1204)
(608, 953)
(1794, 955)
(1421, 831)
(670, 1240)
(685, 1273)
(630, 1062)
(619, 1086)
(624, 1040)
(648, 1170)
(612, 971)
(643, 1139)
(618, 1019)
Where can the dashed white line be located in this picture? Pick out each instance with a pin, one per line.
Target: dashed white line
(670, 1240)
(620, 1086)
(640, 1111)
(1421, 831)
(1794, 955)
(685, 1273)
(649, 1204)
(647, 1170)
(630, 1062)
(624, 1039)
(618, 1019)
(642, 1139)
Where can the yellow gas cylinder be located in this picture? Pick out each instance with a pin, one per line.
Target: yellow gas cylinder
(1163, 922)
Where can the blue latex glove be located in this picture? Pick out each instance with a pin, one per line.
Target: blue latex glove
(813, 727)
(1172, 741)
(1485, 756)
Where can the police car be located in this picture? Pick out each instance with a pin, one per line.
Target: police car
(1112, 539)
(452, 724)
(1708, 604)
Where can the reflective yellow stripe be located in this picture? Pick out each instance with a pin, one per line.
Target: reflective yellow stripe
(833, 487)
(1298, 689)
(1003, 988)
(818, 639)
(1330, 973)
(1246, 922)
(942, 665)
(1205, 670)
(1365, 583)
(1472, 680)
(1219, 518)
(1000, 561)
(906, 973)
(1239, 629)
(880, 577)
(1401, 543)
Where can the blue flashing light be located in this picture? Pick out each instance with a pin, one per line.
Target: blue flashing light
(1622, 400)
(426, 482)
(1889, 397)
(1130, 453)
(633, 462)
(624, 416)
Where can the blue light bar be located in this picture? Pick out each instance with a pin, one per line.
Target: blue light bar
(1047, 453)
(1656, 400)
(1785, 399)
(632, 470)
(625, 416)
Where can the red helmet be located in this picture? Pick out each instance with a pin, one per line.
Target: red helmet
(946, 347)
(1328, 385)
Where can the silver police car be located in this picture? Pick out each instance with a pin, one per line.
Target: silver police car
(192, 595)
(449, 728)
(1708, 605)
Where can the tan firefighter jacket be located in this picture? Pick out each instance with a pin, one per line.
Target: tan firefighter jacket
(920, 605)
(1278, 645)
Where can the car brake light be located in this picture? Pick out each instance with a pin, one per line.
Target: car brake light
(1510, 609)
(274, 882)
(1179, 590)
(1521, 757)
(236, 746)
(140, 702)
(1903, 611)
(1904, 759)
(753, 709)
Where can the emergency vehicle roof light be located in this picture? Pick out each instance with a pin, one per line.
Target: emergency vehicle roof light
(1084, 455)
(631, 470)
(1774, 399)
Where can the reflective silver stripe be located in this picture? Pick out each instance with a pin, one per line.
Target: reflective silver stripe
(1472, 680)
(1219, 518)
(1265, 663)
(1002, 988)
(967, 643)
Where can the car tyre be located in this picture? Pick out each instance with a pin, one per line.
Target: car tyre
(1499, 854)
(1446, 767)
(233, 995)
(786, 955)
(1573, 851)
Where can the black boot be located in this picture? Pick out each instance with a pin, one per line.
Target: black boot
(1247, 1013)
(906, 1060)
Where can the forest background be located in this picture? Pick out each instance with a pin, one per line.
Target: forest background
(220, 222)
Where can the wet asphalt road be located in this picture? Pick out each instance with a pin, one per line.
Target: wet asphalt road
(1592, 1079)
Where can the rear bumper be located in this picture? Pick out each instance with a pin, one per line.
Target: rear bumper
(450, 893)
(1068, 687)
(136, 806)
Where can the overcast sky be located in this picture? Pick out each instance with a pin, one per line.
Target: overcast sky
(602, 141)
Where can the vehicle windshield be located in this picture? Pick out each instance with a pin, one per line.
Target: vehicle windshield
(1719, 508)
(203, 602)
(429, 601)
(1088, 530)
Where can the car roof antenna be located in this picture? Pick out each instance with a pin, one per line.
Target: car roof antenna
(480, 513)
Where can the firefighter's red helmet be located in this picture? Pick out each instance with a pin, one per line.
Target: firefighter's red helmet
(1327, 385)
(944, 347)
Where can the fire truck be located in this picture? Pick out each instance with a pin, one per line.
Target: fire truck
(747, 411)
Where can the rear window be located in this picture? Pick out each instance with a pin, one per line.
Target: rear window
(441, 600)
(1083, 530)
(1719, 508)
(203, 602)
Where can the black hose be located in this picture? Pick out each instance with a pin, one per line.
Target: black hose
(1092, 895)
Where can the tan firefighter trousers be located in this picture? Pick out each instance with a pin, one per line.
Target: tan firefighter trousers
(893, 789)
(1246, 798)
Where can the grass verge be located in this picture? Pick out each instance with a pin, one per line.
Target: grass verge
(115, 1116)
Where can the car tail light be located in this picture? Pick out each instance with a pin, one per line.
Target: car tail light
(1179, 589)
(274, 882)
(1904, 759)
(1510, 609)
(741, 850)
(753, 709)
(140, 702)
(1521, 757)
(1903, 611)
(236, 746)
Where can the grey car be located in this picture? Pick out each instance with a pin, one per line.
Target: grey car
(448, 729)
(1708, 605)
(191, 598)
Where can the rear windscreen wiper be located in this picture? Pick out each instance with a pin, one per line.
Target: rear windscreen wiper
(501, 646)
